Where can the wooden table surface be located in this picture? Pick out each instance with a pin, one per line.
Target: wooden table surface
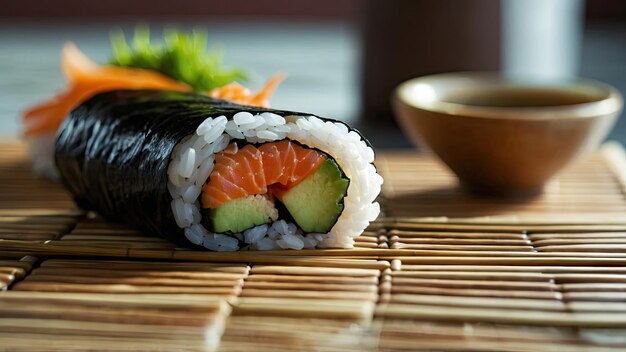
(439, 270)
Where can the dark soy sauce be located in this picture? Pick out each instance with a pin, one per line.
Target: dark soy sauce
(519, 97)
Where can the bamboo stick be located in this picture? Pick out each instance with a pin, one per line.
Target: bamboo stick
(35, 226)
(348, 280)
(365, 245)
(181, 317)
(41, 342)
(525, 261)
(596, 287)
(474, 275)
(145, 265)
(590, 278)
(54, 220)
(40, 237)
(121, 288)
(461, 344)
(324, 295)
(402, 282)
(262, 333)
(14, 271)
(96, 226)
(121, 273)
(49, 328)
(475, 292)
(595, 296)
(408, 268)
(103, 299)
(331, 309)
(308, 286)
(412, 330)
(603, 248)
(462, 247)
(456, 225)
(365, 238)
(610, 307)
(130, 246)
(475, 239)
(135, 281)
(114, 236)
(504, 316)
(40, 211)
(550, 237)
(491, 302)
(305, 270)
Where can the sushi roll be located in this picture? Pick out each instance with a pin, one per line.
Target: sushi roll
(219, 175)
(162, 145)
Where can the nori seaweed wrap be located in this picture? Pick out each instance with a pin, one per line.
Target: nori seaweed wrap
(122, 154)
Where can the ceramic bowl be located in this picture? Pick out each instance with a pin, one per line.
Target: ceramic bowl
(504, 136)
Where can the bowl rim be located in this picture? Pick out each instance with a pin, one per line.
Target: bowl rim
(611, 103)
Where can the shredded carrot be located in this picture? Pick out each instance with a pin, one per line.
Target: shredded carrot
(236, 93)
(86, 79)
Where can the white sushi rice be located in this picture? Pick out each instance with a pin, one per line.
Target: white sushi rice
(192, 162)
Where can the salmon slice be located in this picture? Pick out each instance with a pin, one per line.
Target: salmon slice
(287, 163)
(237, 173)
(276, 166)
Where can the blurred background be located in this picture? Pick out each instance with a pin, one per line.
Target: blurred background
(343, 57)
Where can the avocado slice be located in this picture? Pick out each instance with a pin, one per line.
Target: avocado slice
(316, 202)
(241, 214)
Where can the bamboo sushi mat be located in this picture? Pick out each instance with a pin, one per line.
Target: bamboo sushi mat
(440, 270)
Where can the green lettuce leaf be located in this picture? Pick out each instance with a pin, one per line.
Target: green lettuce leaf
(181, 56)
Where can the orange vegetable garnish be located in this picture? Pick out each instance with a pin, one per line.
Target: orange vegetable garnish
(86, 79)
(238, 94)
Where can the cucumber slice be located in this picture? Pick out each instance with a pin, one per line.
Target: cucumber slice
(316, 202)
(241, 214)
